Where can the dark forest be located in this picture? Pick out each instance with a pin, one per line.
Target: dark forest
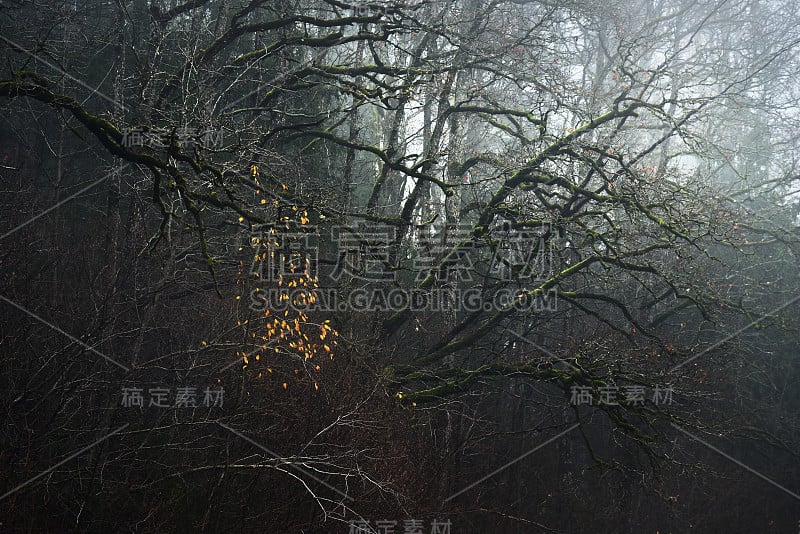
(419, 267)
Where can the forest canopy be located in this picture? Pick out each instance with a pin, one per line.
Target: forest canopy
(430, 266)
